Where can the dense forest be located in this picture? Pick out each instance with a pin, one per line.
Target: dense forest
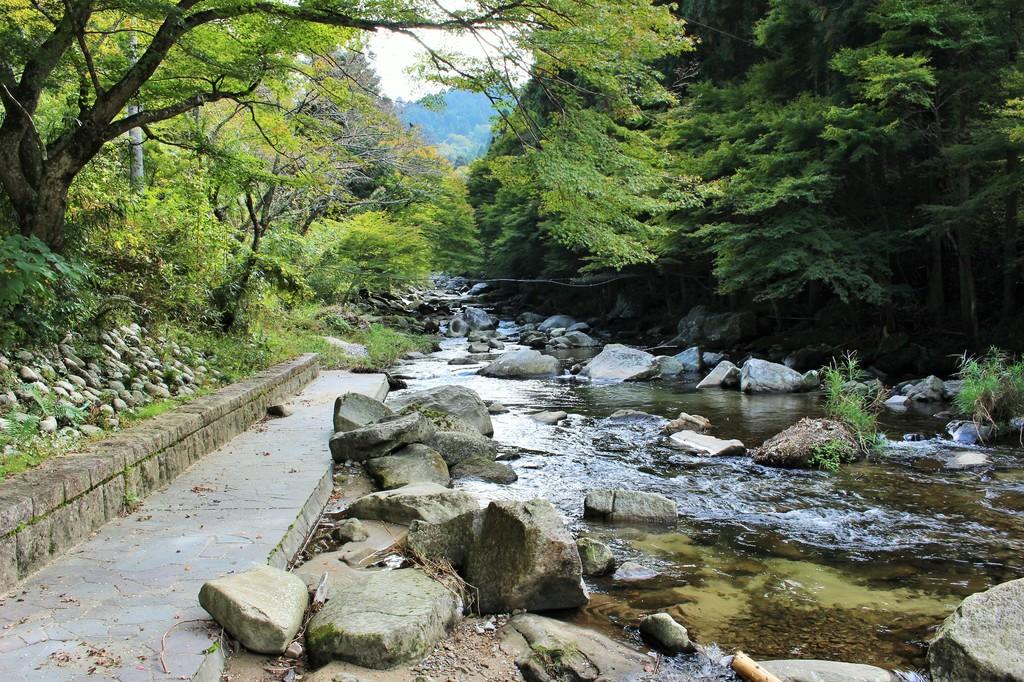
(842, 165)
(456, 122)
(818, 163)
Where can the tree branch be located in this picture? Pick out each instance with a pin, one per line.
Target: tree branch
(143, 118)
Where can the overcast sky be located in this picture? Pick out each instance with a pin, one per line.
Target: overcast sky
(392, 54)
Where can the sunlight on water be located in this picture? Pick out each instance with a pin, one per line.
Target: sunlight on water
(859, 565)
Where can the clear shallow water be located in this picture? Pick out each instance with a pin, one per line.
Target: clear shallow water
(860, 565)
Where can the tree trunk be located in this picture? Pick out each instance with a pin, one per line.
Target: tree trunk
(43, 215)
(1010, 229)
(936, 283)
(965, 263)
(137, 169)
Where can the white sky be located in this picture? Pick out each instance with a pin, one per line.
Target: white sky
(393, 54)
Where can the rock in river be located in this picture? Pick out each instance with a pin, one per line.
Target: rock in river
(353, 410)
(477, 319)
(556, 322)
(383, 620)
(709, 446)
(262, 608)
(380, 438)
(724, 375)
(616, 362)
(458, 401)
(827, 671)
(525, 558)
(629, 506)
(761, 376)
(597, 559)
(424, 501)
(456, 446)
(548, 649)
(795, 446)
(630, 571)
(666, 633)
(983, 640)
(518, 555)
(415, 463)
(483, 469)
(523, 364)
(549, 417)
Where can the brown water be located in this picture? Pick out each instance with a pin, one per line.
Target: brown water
(860, 565)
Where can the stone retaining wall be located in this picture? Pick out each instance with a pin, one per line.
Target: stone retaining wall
(46, 510)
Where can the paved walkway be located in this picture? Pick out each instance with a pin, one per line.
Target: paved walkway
(123, 604)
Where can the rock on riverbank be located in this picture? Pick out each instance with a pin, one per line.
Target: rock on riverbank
(983, 640)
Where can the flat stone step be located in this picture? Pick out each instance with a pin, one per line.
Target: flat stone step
(124, 602)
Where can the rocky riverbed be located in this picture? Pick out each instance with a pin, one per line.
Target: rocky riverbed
(861, 565)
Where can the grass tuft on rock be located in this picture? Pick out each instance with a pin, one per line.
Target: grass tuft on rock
(993, 388)
(858, 412)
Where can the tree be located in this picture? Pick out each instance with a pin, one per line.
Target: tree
(76, 57)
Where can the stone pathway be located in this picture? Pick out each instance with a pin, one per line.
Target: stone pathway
(123, 604)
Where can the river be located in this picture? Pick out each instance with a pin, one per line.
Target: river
(859, 566)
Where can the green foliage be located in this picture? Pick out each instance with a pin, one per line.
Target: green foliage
(36, 288)
(830, 455)
(368, 252)
(993, 388)
(857, 411)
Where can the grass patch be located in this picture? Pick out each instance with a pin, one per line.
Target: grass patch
(993, 388)
(857, 411)
(829, 455)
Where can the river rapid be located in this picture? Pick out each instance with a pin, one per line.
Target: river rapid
(859, 565)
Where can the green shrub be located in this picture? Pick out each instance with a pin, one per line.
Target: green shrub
(857, 411)
(993, 387)
(829, 455)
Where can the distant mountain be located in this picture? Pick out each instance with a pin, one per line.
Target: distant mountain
(457, 122)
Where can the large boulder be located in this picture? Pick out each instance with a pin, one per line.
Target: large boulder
(827, 671)
(415, 463)
(762, 376)
(458, 327)
(423, 501)
(262, 607)
(550, 649)
(518, 555)
(380, 438)
(458, 446)
(796, 446)
(353, 410)
(383, 620)
(628, 506)
(522, 364)
(458, 401)
(483, 469)
(477, 319)
(525, 558)
(616, 362)
(702, 327)
(927, 390)
(703, 444)
(689, 359)
(577, 339)
(724, 375)
(556, 322)
(983, 640)
(669, 367)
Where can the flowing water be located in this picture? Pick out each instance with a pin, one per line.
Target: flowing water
(860, 565)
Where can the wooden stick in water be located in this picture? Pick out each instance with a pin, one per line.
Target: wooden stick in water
(749, 670)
